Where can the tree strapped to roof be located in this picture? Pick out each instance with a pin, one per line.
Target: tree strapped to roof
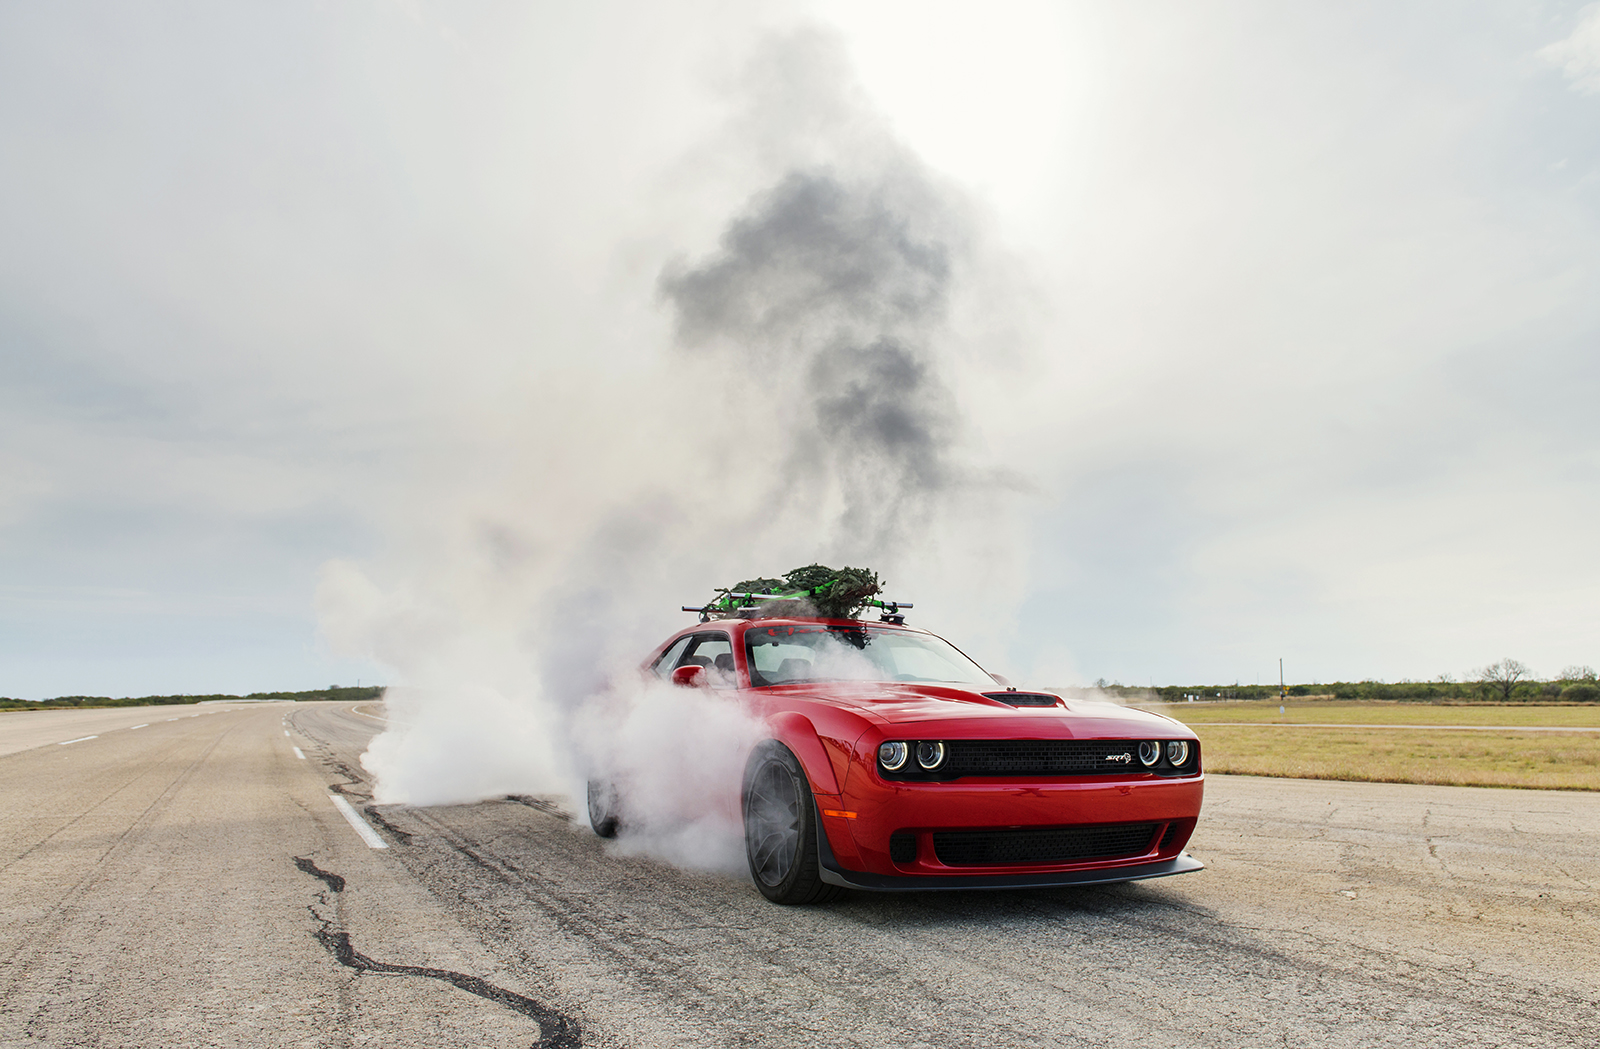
(815, 590)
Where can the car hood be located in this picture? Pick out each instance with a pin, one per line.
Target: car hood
(902, 704)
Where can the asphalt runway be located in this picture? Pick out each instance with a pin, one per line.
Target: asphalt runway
(191, 883)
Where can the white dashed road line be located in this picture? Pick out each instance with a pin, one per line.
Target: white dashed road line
(145, 725)
(80, 739)
(299, 754)
(368, 835)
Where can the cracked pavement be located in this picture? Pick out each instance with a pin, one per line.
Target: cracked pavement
(190, 883)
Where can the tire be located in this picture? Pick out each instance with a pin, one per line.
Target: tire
(604, 815)
(780, 828)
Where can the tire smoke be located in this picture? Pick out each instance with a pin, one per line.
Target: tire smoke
(803, 408)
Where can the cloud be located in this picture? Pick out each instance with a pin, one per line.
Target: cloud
(1578, 56)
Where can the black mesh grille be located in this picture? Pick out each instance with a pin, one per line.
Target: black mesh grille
(903, 848)
(993, 848)
(1173, 830)
(1041, 757)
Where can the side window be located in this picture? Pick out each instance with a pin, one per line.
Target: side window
(773, 662)
(669, 658)
(712, 651)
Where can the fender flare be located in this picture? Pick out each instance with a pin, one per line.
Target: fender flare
(796, 732)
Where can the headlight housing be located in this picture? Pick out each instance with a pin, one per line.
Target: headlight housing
(930, 754)
(1149, 753)
(892, 755)
(1177, 752)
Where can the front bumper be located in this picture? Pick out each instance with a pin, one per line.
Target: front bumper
(834, 874)
(860, 828)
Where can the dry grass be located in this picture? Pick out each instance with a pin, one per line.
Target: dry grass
(1348, 712)
(1470, 757)
(1551, 761)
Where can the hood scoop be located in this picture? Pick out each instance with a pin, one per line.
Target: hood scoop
(1013, 698)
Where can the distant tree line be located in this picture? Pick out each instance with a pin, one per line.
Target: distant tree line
(345, 694)
(1506, 681)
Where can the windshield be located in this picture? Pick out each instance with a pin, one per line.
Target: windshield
(779, 655)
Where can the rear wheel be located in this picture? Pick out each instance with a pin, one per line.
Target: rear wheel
(780, 828)
(604, 815)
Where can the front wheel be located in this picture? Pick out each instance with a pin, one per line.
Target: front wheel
(780, 828)
(604, 815)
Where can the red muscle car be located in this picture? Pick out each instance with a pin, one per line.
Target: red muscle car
(894, 762)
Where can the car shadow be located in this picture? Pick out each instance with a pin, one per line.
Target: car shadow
(1160, 906)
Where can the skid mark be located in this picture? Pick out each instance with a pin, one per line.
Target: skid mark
(549, 808)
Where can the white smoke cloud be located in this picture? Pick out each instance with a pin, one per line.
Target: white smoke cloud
(806, 406)
(675, 757)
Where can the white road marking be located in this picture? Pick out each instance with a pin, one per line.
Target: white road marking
(145, 725)
(172, 719)
(80, 739)
(368, 835)
(286, 733)
(299, 754)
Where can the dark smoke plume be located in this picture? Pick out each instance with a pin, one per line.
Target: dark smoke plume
(827, 292)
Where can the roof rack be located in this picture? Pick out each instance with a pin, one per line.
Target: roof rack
(731, 604)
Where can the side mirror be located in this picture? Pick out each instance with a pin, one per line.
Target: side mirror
(689, 677)
(1000, 679)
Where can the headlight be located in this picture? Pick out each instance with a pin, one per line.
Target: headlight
(1149, 753)
(1178, 752)
(892, 756)
(930, 755)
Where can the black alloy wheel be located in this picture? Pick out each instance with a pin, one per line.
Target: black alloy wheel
(604, 815)
(780, 828)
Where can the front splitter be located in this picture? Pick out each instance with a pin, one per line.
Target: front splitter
(833, 875)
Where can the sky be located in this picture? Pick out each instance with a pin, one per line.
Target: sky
(421, 342)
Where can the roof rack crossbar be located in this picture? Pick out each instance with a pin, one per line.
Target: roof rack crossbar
(733, 604)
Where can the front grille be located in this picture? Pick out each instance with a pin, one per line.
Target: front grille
(903, 847)
(1173, 830)
(1041, 757)
(995, 848)
(1030, 758)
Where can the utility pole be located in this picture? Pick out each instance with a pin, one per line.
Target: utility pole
(1283, 693)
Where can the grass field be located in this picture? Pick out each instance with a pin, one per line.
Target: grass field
(1382, 713)
(1466, 757)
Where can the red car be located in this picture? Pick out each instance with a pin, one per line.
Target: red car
(895, 762)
